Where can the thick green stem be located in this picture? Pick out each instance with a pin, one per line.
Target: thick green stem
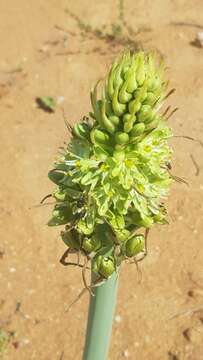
(100, 319)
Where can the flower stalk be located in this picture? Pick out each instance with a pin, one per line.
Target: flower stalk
(100, 319)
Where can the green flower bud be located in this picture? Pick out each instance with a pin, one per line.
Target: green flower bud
(132, 82)
(108, 125)
(114, 119)
(133, 85)
(141, 93)
(153, 124)
(98, 136)
(119, 154)
(118, 78)
(141, 70)
(128, 120)
(118, 108)
(146, 114)
(135, 245)
(150, 99)
(121, 138)
(134, 106)
(124, 95)
(110, 83)
(154, 83)
(91, 244)
(137, 130)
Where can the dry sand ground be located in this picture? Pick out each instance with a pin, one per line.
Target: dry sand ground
(58, 63)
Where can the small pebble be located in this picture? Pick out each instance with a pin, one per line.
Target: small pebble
(30, 291)
(147, 339)
(60, 100)
(126, 353)
(12, 270)
(200, 38)
(118, 319)
(25, 341)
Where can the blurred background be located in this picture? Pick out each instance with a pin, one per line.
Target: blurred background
(51, 53)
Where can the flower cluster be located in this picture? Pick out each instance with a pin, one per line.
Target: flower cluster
(114, 174)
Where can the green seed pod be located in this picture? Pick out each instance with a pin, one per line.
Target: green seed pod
(137, 130)
(105, 266)
(145, 221)
(71, 239)
(135, 245)
(121, 138)
(122, 235)
(91, 244)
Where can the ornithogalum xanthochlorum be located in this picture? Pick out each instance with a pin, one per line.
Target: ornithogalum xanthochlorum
(114, 174)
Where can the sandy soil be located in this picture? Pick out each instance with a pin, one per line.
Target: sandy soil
(38, 58)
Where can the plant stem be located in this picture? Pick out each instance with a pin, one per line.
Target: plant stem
(100, 319)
